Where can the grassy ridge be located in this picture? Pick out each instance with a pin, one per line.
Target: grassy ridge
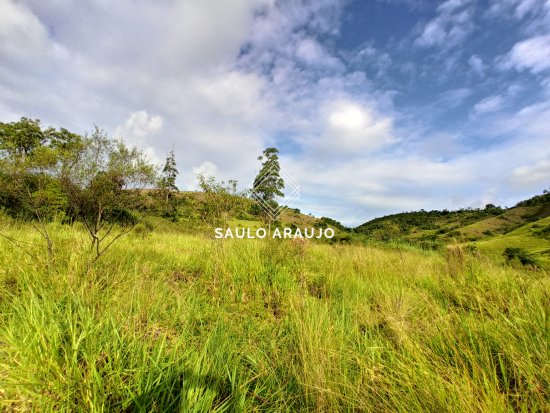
(492, 229)
(533, 238)
(174, 322)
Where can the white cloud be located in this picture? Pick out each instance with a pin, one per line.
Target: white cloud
(518, 9)
(310, 51)
(452, 24)
(489, 105)
(206, 168)
(532, 54)
(21, 33)
(351, 129)
(138, 130)
(169, 37)
(534, 177)
(232, 94)
(451, 5)
(477, 65)
(433, 34)
(139, 126)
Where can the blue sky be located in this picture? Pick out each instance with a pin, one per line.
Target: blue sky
(377, 106)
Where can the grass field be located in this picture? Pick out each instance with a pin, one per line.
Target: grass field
(175, 322)
(534, 238)
(508, 221)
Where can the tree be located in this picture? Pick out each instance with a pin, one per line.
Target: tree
(19, 139)
(104, 183)
(169, 173)
(167, 187)
(268, 184)
(221, 200)
(30, 162)
(46, 173)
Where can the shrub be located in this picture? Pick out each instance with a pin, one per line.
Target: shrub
(341, 238)
(543, 232)
(144, 228)
(525, 258)
(471, 249)
(431, 245)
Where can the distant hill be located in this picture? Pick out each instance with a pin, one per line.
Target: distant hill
(492, 229)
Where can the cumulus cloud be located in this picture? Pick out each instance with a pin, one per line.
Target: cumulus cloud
(138, 130)
(139, 126)
(352, 129)
(206, 168)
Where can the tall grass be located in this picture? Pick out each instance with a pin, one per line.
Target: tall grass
(173, 322)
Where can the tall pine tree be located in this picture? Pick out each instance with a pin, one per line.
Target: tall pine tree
(268, 184)
(170, 173)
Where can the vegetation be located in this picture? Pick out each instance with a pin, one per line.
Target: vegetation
(268, 184)
(185, 323)
(169, 189)
(491, 229)
(406, 223)
(220, 201)
(527, 238)
(329, 222)
(169, 173)
(421, 311)
(512, 253)
(49, 174)
(537, 200)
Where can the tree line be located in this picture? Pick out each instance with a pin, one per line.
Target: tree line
(53, 174)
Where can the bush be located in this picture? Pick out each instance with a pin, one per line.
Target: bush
(544, 232)
(471, 249)
(341, 238)
(245, 216)
(525, 258)
(144, 228)
(431, 245)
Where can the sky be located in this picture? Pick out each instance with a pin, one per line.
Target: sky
(376, 106)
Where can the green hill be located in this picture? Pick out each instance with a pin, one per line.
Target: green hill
(533, 238)
(492, 229)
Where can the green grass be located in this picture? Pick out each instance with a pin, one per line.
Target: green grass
(456, 227)
(508, 221)
(529, 237)
(175, 322)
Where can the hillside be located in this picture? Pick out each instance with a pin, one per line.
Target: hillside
(533, 238)
(493, 229)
